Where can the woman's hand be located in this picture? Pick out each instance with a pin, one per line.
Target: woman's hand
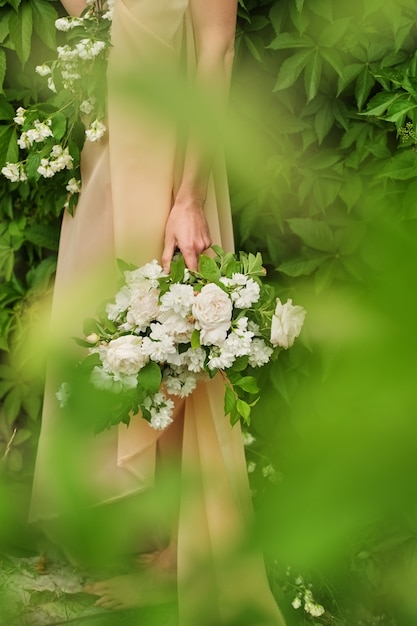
(186, 229)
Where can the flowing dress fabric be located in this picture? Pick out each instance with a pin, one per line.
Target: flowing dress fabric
(129, 180)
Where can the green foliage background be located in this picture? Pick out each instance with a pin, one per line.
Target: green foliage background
(320, 90)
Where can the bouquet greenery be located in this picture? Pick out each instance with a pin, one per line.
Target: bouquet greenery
(162, 334)
(52, 134)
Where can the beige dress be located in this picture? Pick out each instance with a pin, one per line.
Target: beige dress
(129, 179)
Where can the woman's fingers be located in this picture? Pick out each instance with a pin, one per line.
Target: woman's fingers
(186, 229)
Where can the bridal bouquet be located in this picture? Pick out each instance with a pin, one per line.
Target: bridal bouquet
(162, 334)
(52, 134)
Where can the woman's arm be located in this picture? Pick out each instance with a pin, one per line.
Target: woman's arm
(214, 26)
(74, 7)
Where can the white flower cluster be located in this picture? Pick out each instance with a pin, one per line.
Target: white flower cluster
(14, 172)
(304, 598)
(72, 70)
(38, 134)
(158, 327)
(59, 159)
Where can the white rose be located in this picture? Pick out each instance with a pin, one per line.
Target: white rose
(286, 323)
(212, 310)
(124, 355)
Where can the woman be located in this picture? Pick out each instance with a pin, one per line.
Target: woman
(148, 190)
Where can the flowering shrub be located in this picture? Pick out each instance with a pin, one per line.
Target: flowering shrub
(162, 334)
(52, 134)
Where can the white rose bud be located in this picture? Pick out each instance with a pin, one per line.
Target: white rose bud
(286, 323)
(212, 310)
(92, 338)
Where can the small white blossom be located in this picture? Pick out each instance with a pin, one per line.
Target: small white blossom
(63, 394)
(158, 350)
(51, 84)
(259, 353)
(37, 134)
(244, 296)
(87, 49)
(103, 379)
(296, 603)
(14, 172)
(161, 409)
(96, 131)
(179, 298)
(248, 438)
(43, 70)
(19, 118)
(61, 158)
(45, 169)
(63, 24)
(66, 53)
(251, 467)
(120, 304)
(151, 271)
(73, 185)
(194, 359)
(87, 106)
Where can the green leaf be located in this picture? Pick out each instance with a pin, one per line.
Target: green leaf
(240, 364)
(12, 404)
(44, 16)
(123, 266)
(380, 103)
(4, 26)
(301, 266)
(5, 386)
(283, 41)
(312, 75)
(323, 8)
(334, 59)
(39, 277)
(177, 269)
(234, 416)
(229, 400)
(315, 233)
(58, 125)
(21, 25)
(149, 377)
(243, 410)
(2, 71)
(32, 404)
(44, 235)
(349, 73)
(32, 164)
(402, 166)
(398, 110)
(333, 32)
(351, 189)
(255, 46)
(364, 84)
(291, 69)
(195, 338)
(6, 135)
(209, 268)
(248, 384)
